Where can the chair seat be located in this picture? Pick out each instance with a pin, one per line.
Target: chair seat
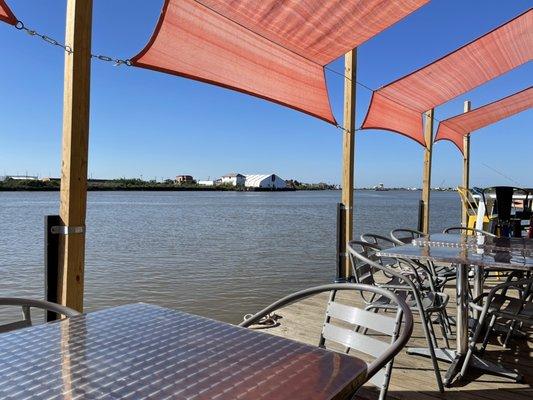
(430, 301)
(446, 272)
(509, 308)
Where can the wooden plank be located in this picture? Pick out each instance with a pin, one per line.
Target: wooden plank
(426, 175)
(466, 167)
(348, 150)
(73, 196)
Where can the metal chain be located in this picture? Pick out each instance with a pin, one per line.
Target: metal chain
(116, 62)
(21, 27)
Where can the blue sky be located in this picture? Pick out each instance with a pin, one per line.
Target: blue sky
(156, 125)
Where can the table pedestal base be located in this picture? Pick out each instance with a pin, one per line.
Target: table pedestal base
(451, 356)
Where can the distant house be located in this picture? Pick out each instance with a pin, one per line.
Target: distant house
(181, 179)
(233, 179)
(271, 181)
(206, 183)
(19, 178)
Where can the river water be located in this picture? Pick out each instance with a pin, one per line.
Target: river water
(218, 254)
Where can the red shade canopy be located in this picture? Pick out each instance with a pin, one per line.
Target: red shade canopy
(6, 14)
(398, 106)
(272, 49)
(453, 129)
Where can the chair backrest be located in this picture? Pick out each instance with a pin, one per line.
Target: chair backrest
(523, 292)
(379, 370)
(343, 325)
(363, 272)
(26, 305)
(468, 231)
(382, 242)
(404, 235)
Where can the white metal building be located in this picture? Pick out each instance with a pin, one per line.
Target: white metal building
(271, 181)
(206, 183)
(233, 179)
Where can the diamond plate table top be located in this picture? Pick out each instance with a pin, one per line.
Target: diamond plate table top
(476, 242)
(447, 249)
(141, 351)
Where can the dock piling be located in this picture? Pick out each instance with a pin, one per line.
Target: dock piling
(51, 263)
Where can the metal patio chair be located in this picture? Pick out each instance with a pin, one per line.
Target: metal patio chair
(382, 241)
(442, 273)
(468, 231)
(26, 305)
(497, 304)
(380, 369)
(471, 231)
(403, 236)
(408, 284)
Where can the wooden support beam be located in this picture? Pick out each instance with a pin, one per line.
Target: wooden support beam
(348, 146)
(466, 167)
(426, 177)
(73, 196)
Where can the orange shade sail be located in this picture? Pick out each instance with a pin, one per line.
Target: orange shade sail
(272, 49)
(399, 105)
(455, 128)
(6, 14)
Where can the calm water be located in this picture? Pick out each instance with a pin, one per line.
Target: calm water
(220, 254)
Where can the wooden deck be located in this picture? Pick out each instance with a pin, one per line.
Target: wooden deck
(413, 376)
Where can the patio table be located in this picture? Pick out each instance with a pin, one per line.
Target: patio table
(464, 251)
(144, 351)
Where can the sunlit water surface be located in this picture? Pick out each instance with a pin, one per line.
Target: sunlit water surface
(218, 254)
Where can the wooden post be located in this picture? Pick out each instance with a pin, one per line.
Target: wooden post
(348, 145)
(466, 167)
(73, 197)
(426, 177)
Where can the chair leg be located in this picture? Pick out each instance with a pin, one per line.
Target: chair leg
(509, 334)
(447, 321)
(431, 350)
(443, 330)
(385, 386)
(432, 331)
(475, 337)
(487, 333)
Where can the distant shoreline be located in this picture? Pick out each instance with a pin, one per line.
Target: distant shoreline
(206, 189)
(104, 185)
(154, 189)
(130, 185)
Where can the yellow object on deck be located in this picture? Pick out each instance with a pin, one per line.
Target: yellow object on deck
(470, 204)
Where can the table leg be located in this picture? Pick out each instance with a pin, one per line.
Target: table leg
(455, 357)
(461, 336)
(478, 286)
(462, 309)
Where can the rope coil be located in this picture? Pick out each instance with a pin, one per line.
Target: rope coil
(268, 321)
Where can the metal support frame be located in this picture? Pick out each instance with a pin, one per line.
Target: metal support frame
(456, 357)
